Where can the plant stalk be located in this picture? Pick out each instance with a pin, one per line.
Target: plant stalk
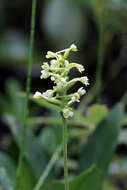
(100, 60)
(30, 62)
(65, 153)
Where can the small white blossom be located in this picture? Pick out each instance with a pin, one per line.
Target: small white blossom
(85, 80)
(67, 113)
(52, 78)
(50, 54)
(57, 76)
(66, 63)
(81, 91)
(75, 97)
(44, 74)
(78, 66)
(61, 82)
(48, 94)
(53, 61)
(45, 66)
(71, 114)
(37, 95)
(73, 47)
(53, 66)
(81, 68)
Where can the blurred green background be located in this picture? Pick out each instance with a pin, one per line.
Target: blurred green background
(98, 28)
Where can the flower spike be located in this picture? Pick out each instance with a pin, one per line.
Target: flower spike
(58, 69)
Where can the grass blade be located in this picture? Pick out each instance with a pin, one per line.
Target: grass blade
(31, 50)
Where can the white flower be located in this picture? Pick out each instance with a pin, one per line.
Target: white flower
(52, 78)
(78, 66)
(37, 95)
(73, 47)
(57, 76)
(85, 80)
(61, 81)
(75, 97)
(66, 63)
(53, 61)
(45, 66)
(48, 94)
(44, 74)
(81, 91)
(53, 66)
(67, 113)
(81, 68)
(50, 54)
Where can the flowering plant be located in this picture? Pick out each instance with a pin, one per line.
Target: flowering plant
(58, 69)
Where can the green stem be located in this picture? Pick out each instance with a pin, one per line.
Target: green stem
(100, 60)
(48, 169)
(31, 50)
(65, 152)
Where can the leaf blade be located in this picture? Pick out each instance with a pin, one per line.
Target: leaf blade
(89, 179)
(101, 144)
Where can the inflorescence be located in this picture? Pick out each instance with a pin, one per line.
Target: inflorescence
(58, 69)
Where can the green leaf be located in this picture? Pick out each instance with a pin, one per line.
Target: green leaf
(27, 177)
(101, 144)
(50, 137)
(34, 150)
(87, 180)
(11, 103)
(8, 165)
(4, 180)
(57, 121)
(96, 114)
(13, 87)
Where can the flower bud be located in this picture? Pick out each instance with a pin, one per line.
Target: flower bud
(80, 68)
(44, 74)
(84, 80)
(81, 91)
(45, 66)
(37, 95)
(75, 97)
(73, 47)
(66, 63)
(67, 113)
(52, 78)
(50, 54)
(48, 94)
